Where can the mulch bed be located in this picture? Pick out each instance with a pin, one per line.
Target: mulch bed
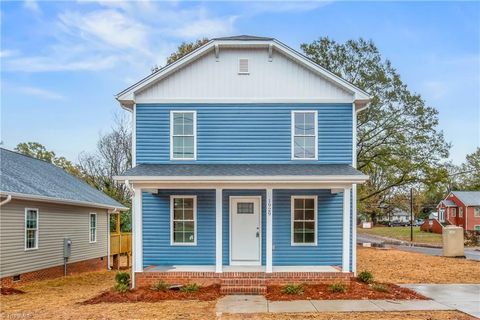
(9, 291)
(207, 293)
(355, 291)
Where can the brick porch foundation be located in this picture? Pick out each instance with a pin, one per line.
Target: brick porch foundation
(57, 271)
(241, 282)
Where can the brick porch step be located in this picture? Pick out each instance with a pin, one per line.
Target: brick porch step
(243, 286)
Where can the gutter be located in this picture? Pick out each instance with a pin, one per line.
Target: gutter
(7, 200)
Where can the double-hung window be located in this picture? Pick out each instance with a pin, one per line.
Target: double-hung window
(304, 220)
(31, 229)
(477, 212)
(460, 212)
(454, 212)
(304, 135)
(93, 227)
(183, 212)
(183, 135)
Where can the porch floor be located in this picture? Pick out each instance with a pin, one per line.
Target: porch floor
(193, 268)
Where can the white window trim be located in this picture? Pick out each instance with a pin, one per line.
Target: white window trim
(90, 227)
(172, 199)
(172, 112)
(25, 229)
(292, 129)
(292, 213)
(475, 210)
(460, 212)
(475, 227)
(454, 212)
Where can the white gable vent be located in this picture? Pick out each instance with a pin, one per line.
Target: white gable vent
(243, 66)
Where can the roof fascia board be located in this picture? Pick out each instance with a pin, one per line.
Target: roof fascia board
(128, 95)
(248, 179)
(33, 197)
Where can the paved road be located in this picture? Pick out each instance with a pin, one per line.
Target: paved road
(375, 241)
(464, 297)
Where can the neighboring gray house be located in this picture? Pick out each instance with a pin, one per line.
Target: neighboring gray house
(397, 215)
(41, 205)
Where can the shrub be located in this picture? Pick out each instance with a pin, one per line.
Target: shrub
(338, 287)
(365, 277)
(122, 287)
(379, 287)
(122, 278)
(191, 287)
(160, 286)
(293, 289)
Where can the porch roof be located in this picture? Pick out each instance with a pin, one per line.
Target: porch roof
(242, 172)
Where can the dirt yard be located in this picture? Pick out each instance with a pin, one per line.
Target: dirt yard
(390, 265)
(61, 298)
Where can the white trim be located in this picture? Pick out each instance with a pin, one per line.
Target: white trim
(218, 230)
(241, 186)
(475, 212)
(241, 100)
(37, 229)
(475, 227)
(108, 240)
(292, 220)
(230, 212)
(90, 227)
(460, 212)
(172, 199)
(172, 112)
(269, 231)
(134, 136)
(249, 179)
(354, 191)
(292, 129)
(33, 197)
(346, 231)
(127, 96)
(137, 254)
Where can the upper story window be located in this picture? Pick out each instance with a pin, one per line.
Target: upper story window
(460, 212)
(477, 212)
(304, 135)
(454, 212)
(31, 229)
(183, 135)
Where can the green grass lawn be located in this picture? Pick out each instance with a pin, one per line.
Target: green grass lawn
(403, 233)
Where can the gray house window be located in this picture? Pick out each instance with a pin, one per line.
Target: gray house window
(31, 229)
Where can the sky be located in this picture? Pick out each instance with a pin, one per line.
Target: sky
(63, 62)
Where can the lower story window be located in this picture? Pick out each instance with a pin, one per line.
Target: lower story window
(477, 228)
(183, 220)
(93, 227)
(31, 229)
(304, 220)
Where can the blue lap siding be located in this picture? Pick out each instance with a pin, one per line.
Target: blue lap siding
(157, 249)
(328, 250)
(244, 133)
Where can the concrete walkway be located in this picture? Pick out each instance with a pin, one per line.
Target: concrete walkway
(258, 304)
(464, 297)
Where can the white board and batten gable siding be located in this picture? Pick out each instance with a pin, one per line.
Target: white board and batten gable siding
(211, 79)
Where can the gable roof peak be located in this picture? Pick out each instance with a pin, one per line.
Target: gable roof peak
(245, 37)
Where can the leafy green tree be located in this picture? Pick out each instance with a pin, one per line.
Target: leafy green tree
(470, 172)
(185, 48)
(39, 151)
(399, 144)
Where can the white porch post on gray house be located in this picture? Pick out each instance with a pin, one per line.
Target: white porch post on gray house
(137, 245)
(346, 230)
(218, 230)
(269, 233)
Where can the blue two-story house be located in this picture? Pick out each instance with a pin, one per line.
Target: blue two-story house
(244, 167)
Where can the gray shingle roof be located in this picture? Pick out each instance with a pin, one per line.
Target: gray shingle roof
(204, 170)
(245, 37)
(20, 174)
(469, 198)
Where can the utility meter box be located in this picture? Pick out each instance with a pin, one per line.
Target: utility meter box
(67, 247)
(452, 237)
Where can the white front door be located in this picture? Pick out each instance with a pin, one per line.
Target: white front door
(245, 231)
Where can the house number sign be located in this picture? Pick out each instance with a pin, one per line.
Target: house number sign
(269, 207)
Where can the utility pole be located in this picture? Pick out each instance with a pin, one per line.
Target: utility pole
(411, 215)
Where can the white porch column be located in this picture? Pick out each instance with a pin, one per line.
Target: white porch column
(269, 240)
(346, 230)
(137, 245)
(354, 229)
(218, 230)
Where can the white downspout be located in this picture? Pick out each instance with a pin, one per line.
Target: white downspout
(7, 200)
